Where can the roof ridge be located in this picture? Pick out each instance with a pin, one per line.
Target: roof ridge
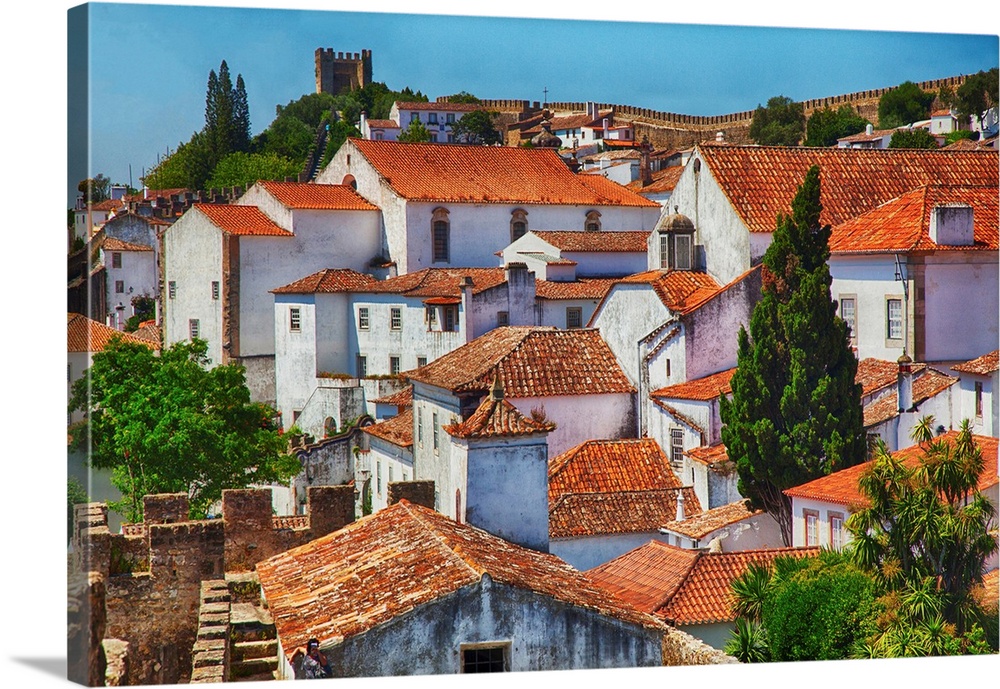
(668, 599)
(428, 525)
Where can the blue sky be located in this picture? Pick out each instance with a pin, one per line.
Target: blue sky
(149, 64)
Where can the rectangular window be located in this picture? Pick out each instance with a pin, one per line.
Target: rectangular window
(434, 138)
(574, 317)
(664, 251)
(979, 400)
(390, 474)
(432, 118)
(676, 446)
(451, 138)
(116, 259)
(449, 118)
(420, 426)
(434, 429)
(450, 318)
(430, 314)
(894, 319)
(421, 361)
(848, 313)
(668, 369)
(172, 289)
(294, 319)
(363, 318)
(811, 518)
(394, 365)
(836, 530)
(215, 289)
(395, 318)
(414, 117)
(481, 658)
(119, 286)
(503, 318)
(362, 366)
(378, 477)
(440, 231)
(682, 252)
(194, 328)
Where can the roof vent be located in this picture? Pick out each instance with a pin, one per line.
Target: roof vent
(869, 129)
(951, 224)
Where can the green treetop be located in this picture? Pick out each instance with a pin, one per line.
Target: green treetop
(477, 127)
(795, 412)
(827, 125)
(781, 123)
(415, 132)
(978, 94)
(905, 104)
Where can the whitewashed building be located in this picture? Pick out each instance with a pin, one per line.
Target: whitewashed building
(438, 117)
(389, 457)
(978, 399)
(131, 272)
(926, 392)
(728, 528)
(453, 205)
(579, 254)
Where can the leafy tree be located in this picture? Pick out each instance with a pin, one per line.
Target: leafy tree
(415, 132)
(168, 424)
(827, 125)
(477, 127)
(904, 104)
(781, 123)
(795, 412)
(95, 189)
(927, 526)
(288, 137)
(339, 132)
(243, 169)
(912, 138)
(310, 109)
(957, 135)
(978, 94)
(464, 97)
(144, 309)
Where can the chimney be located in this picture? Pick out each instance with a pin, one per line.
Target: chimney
(680, 505)
(951, 224)
(465, 285)
(904, 384)
(361, 125)
(720, 137)
(869, 129)
(591, 110)
(605, 127)
(645, 173)
(496, 392)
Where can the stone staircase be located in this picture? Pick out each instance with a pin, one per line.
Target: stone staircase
(253, 639)
(211, 650)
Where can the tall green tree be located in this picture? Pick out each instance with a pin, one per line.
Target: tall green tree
(95, 189)
(795, 412)
(905, 104)
(825, 126)
(415, 132)
(464, 97)
(978, 94)
(781, 123)
(912, 138)
(168, 424)
(477, 128)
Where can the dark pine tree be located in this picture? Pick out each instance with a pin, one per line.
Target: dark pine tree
(241, 117)
(795, 413)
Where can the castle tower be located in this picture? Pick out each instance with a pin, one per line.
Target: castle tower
(337, 71)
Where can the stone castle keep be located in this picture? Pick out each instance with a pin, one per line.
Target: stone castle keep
(337, 71)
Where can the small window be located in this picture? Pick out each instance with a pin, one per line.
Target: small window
(676, 446)
(434, 138)
(682, 252)
(294, 319)
(503, 318)
(421, 361)
(119, 286)
(378, 477)
(215, 289)
(420, 426)
(194, 328)
(434, 429)
(432, 118)
(667, 367)
(485, 659)
(395, 318)
(116, 259)
(593, 222)
(449, 118)
(450, 318)
(979, 400)
(390, 474)
(394, 365)
(441, 241)
(574, 317)
(848, 313)
(894, 319)
(430, 315)
(836, 530)
(664, 251)
(518, 224)
(451, 138)
(811, 518)
(363, 318)
(414, 117)
(172, 289)
(362, 366)
(378, 136)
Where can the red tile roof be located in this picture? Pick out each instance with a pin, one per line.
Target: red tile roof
(86, 335)
(681, 291)
(573, 515)
(709, 455)
(647, 576)
(663, 180)
(701, 525)
(969, 145)
(875, 374)
(241, 220)
(594, 242)
(928, 385)
(902, 225)
(398, 430)
(524, 359)
(328, 281)
(575, 122)
(403, 557)
(317, 196)
(760, 181)
(841, 487)
(383, 124)
(861, 137)
(486, 174)
(401, 398)
(438, 106)
(609, 466)
(440, 282)
(497, 418)
(115, 244)
(981, 366)
(614, 193)
(583, 288)
(700, 389)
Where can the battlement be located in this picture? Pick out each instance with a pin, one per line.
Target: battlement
(336, 71)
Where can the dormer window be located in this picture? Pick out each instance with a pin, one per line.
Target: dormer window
(676, 242)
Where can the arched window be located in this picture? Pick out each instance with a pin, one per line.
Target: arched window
(518, 224)
(349, 181)
(593, 223)
(440, 235)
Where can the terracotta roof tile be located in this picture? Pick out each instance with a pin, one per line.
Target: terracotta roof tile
(841, 487)
(981, 366)
(594, 242)
(486, 174)
(663, 180)
(613, 193)
(86, 335)
(438, 106)
(700, 525)
(439, 282)
(523, 357)
(398, 430)
(573, 515)
(609, 466)
(401, 558)
(928, 385)
(115, 244)
(705, 596)
(317, 196)
(647, 576)
(681, 291)
(902, 225)
(615, 155)
(547, 258)
(875, 374)
(709, 455)
(861, 137)
(164, 193)
(383, 124)
(701, 389)
(760, 181)
(401, 398)
(241, 220)
(968, 145)
(497, 418)
(583, 288)
(329, 281)
(149, 331)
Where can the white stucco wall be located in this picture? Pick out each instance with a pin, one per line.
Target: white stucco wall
(388, 463)
(553, 312)
(582, 417)
(965, 403)
(628, 314)
(139, 277)
(587, 552)
(295, 353)
(871, 281)
(823, 527)
(592, 264)
(962, 296)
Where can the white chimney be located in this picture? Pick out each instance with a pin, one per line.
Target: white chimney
(952, 224)
(361, 125)
(904, 384)
(605, 127)
(720, 136)
(591, 109)
(869, 129)
(680, 506)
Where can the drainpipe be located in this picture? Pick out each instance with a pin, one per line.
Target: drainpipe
(465, 285)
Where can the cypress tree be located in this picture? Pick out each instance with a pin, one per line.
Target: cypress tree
(241, 117)
(795, 413)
